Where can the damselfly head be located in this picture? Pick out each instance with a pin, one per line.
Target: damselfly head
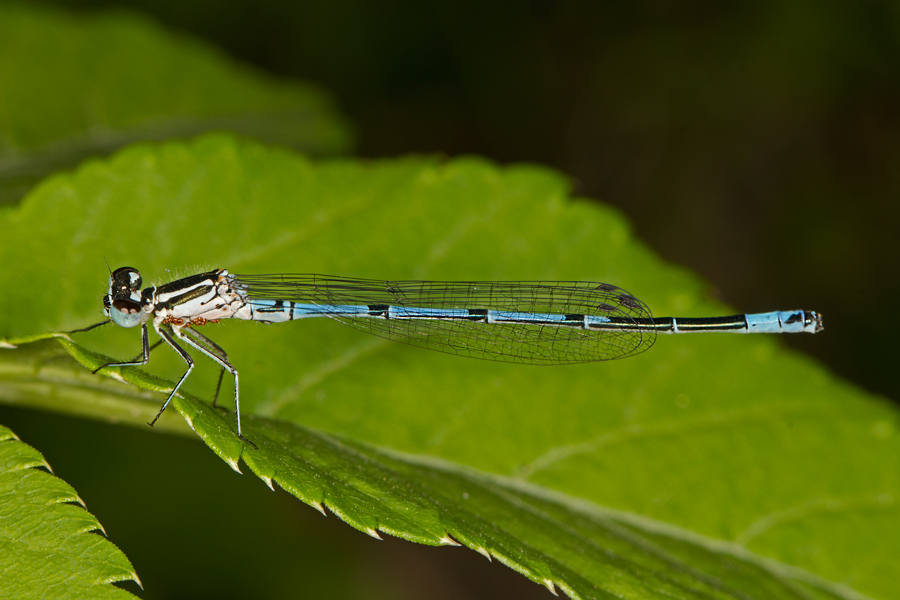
(123, 302)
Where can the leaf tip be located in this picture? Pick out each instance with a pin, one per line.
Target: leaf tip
(373, 533)
(449, 541)
(318, 506)
(550, 586)
(233, 463)
(268, 482)
(484, 552)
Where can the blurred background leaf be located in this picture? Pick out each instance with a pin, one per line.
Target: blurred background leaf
(74, 87)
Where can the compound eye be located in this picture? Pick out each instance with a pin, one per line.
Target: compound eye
(123, 302)
(124, 281)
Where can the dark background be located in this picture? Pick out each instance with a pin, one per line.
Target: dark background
(754, 142)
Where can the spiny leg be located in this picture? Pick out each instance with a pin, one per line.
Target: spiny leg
(218, 355)
(187, 358)
(214, 347)
(152, 348)
(89, 327)
(138, 361)
(219, 387)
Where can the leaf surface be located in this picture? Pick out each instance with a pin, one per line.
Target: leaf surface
(710, 466)
(50, 546)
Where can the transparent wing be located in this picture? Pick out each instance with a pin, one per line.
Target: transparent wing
(508, 342)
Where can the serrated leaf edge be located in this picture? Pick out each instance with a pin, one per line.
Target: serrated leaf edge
(7, 435)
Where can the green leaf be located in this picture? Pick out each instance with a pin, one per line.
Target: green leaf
(710, 466)
(49, 545)
(73, 87)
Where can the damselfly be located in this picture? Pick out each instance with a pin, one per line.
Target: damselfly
(534, 322)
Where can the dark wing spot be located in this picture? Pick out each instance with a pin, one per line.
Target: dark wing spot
(629, 302)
